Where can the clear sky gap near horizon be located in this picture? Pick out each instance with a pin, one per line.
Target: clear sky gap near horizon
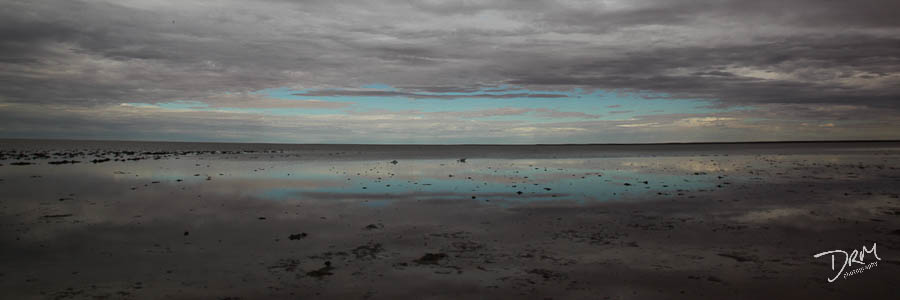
(450, 72)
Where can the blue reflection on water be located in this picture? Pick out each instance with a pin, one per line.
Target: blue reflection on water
(378, 184)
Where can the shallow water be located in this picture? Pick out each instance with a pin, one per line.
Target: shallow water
(587, 223)
(494, 181)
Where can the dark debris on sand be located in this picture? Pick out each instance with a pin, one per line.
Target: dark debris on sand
(100, 160)
(430, 258)
(57, 216)
(287, 265)
(547, 274)
(321, 272)
(297, 236)
(739, 257)
(374, 226)
(368, 251)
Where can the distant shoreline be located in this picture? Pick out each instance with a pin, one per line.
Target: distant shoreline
(4, 140)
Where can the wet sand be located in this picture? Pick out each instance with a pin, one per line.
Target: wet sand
(127, 220)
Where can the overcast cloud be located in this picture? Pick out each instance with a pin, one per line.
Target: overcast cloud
(763, 70)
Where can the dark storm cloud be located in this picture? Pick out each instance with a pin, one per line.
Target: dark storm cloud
(87, 53)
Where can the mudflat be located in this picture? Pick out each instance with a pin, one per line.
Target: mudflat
(145, 220)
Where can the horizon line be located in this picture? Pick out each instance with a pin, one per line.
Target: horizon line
(401, 144)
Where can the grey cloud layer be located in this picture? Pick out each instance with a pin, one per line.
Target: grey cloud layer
(107, 51)
(87, 53)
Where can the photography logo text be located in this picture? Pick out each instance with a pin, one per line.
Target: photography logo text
(849, 260)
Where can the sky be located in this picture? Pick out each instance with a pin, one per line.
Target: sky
(450, 72)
